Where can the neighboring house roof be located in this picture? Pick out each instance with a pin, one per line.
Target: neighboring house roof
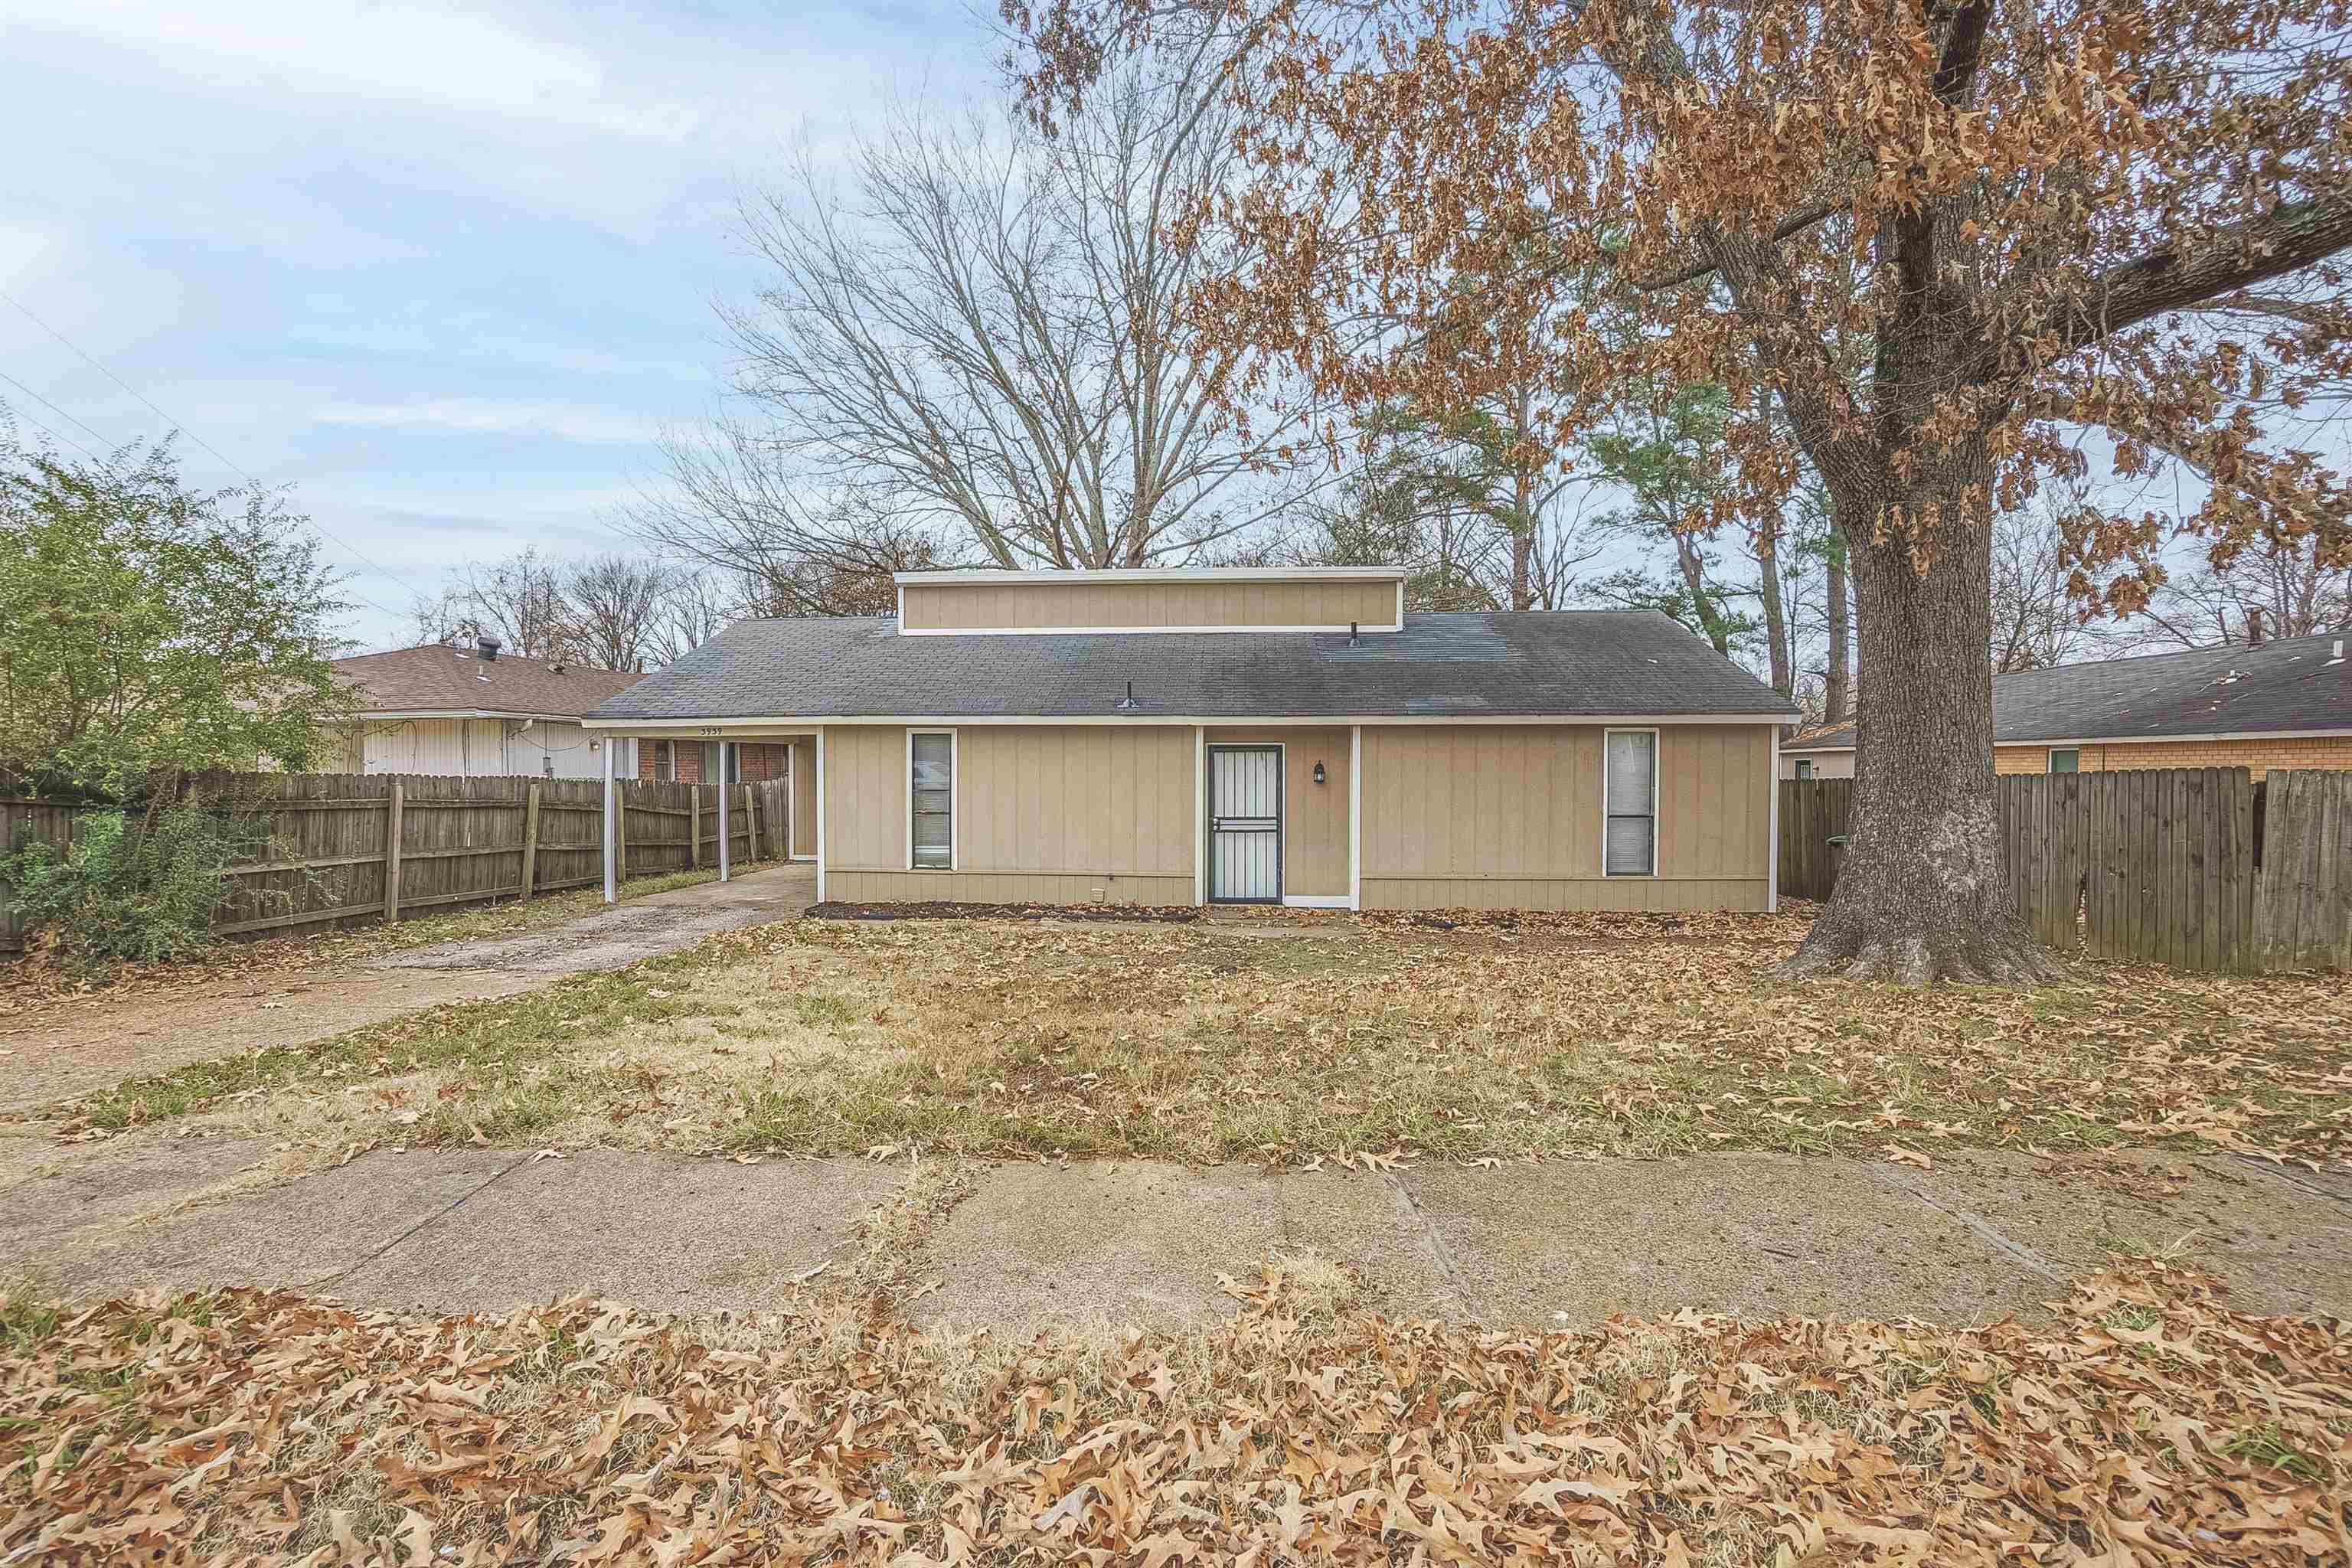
(442, 679)
(2293, 685)
(1459, 665)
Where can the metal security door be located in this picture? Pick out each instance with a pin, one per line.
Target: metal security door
(1246, 825)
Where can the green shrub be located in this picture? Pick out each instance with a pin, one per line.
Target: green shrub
(138, 888)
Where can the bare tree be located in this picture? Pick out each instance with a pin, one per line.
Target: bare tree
(616, 605)
(983, 342)
(2037, 619)
(519, 600)
(2295, 592)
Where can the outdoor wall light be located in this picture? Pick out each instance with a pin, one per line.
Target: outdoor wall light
(1318, 773)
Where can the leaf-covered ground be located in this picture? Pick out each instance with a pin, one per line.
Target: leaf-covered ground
(1547, 1036)
(2152, 1425)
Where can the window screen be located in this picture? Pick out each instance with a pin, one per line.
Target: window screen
(1629, 845)
(1804, 769)
(2068, 761)
(932, 757)
(665, 760)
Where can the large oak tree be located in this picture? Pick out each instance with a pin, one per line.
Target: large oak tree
(1962, 244)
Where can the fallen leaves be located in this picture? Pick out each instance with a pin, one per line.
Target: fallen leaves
(2152, 1423)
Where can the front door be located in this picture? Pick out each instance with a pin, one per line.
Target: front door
(1246, 825)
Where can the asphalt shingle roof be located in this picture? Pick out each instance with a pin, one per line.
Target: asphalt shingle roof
(2287, 684)
(1532, 662)
(438, 678)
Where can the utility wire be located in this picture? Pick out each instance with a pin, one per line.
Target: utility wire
(55, 409)
(56, 436)
(175, 425)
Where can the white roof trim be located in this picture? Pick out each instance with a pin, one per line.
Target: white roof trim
(1158, 575)
(802, 724)
(1787, 747)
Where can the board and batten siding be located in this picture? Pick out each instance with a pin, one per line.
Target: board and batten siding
(803, 844)
(1315, 816)
(1510, 818)
(928, 606)
(1045, 814)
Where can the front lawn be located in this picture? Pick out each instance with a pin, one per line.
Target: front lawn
(1302, 1041)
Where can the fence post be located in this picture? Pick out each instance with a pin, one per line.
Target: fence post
(621, 830)
(529, 840)
(694, 826)
(751, 815)
(392, 856)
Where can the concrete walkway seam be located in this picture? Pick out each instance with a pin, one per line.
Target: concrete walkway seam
(1409, 1209)
(2017, 1252)
(434, 1218)
(2273, 1168)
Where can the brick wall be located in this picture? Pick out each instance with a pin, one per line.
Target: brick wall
(2257, 754)
(759, 762)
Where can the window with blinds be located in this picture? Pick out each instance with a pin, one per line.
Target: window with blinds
(930, 757)
(1630, 798)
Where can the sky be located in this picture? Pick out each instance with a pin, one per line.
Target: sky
(447, 272)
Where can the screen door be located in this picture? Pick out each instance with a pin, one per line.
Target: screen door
(1246, 825)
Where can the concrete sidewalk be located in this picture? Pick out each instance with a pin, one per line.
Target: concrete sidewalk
(71, 1050)
(1979, 1235)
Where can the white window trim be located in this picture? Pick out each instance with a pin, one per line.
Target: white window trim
(955, 800)
(1657, 800)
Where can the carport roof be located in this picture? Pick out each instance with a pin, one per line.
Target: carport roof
(1465, 666)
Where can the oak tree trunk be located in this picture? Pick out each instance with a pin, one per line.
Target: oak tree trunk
(1835, 683)
(1776, 618)
(1921, 894)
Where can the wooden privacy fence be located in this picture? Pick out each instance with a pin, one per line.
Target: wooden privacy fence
(347, 846)
(2198, 868)
(24, 822)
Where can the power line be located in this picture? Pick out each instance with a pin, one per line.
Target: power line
(55, 435)
(173, 423)
(53, 408)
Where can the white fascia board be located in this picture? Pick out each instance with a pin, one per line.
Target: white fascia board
(997, 578)
(757, 728)
(2128, 739)
(1341, 628)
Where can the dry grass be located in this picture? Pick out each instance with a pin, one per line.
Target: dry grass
(1211, 1042)
(2149, 1424)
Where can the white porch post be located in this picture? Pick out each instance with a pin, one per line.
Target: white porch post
(820, 816)
(726, 788)
(611, 805)
(1355, 816)
(1772, 826)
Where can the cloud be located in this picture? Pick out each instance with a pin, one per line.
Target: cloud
(476, 417)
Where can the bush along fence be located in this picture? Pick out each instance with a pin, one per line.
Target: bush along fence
(343, 847)
(2198, 868)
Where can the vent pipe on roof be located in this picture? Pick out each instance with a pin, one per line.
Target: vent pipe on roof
(487, 647)
(2253, 626)
(1127, 704)
(1353, 640)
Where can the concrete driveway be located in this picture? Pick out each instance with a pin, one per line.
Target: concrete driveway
(76, 1047)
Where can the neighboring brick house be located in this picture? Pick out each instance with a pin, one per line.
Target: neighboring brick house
(697, 762)
(2281, 704)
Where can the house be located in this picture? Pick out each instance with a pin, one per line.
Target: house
(1289, 736)
(469, 711)
(2281, 704)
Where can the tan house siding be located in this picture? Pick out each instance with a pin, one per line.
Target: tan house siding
(805, 799)
(1315, 816)
(1510, 818)
(2257, 753)
(1053, 813)
(1005, 606)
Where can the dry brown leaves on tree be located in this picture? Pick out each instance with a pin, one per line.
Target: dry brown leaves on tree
(2151, 1425)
